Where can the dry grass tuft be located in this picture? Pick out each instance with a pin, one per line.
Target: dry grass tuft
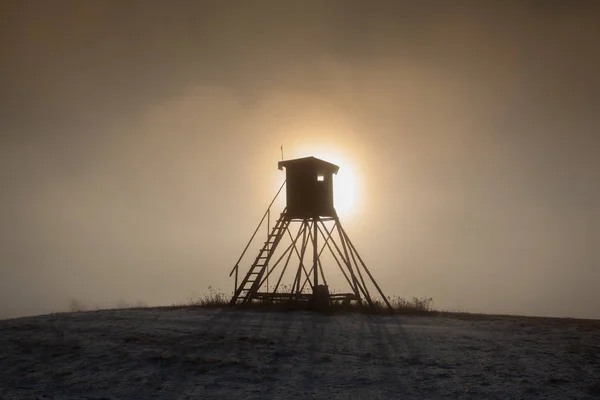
(416, 305)
(211, 299)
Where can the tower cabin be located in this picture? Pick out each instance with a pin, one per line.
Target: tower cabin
(309, 187)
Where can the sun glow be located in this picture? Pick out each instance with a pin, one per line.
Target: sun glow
(344, 192)
(334, 141)
(346, 183)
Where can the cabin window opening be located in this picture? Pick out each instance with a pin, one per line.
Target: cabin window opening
(320, 178)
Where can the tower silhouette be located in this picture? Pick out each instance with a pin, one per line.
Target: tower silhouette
(311, 224)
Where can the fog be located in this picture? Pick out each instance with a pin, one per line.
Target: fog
(139, 145)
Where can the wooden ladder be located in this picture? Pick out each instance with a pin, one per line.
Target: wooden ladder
(252, 281)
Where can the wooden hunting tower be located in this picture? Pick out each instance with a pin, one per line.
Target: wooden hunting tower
(309, 198)
(309, 187)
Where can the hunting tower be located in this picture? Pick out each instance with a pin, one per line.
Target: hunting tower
(309, 190)
(309, 208)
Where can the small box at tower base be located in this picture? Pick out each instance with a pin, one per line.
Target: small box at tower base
(288, 267)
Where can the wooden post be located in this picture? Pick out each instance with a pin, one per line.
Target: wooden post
(315, 256)
(268, 236)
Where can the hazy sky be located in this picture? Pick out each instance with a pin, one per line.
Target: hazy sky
(139, 145)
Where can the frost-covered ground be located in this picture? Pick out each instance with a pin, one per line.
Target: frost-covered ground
(214, 354)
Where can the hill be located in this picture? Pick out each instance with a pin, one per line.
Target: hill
(192, 352)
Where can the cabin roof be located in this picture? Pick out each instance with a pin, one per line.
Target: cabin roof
(308, 161)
